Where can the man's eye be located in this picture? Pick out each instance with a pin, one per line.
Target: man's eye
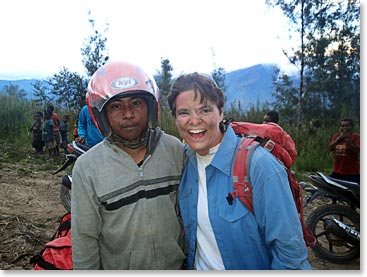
(115, 106)
(136, 103)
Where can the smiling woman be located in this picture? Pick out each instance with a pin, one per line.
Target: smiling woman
(269, 241)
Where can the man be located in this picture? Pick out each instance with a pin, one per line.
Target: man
(124, 188)
(88, 132)
(345, 148)
(271, 116)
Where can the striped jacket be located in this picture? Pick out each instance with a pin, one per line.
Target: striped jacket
(124, 215)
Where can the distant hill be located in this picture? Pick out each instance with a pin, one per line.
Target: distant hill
(25, 84)
(250, 85)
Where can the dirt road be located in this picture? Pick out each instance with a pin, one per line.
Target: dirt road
(30, 210)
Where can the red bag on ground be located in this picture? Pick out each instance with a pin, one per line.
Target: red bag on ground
(57, 254)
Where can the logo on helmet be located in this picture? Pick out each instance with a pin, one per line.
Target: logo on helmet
(124, 83)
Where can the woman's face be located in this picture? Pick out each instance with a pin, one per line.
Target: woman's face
(198, 123)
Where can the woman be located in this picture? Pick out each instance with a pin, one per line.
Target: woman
(222, 236)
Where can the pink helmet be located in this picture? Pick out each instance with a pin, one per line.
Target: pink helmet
(121, 79)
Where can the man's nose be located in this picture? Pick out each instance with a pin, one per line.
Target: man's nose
(128, 112)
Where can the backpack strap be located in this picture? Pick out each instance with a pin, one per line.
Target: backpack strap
(240, 176)
(38, 260)
(64, 227)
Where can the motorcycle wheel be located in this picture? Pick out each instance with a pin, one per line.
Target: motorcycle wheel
(65, 196)
(329, 246)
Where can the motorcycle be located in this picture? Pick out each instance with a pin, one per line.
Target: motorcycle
(336, 224)
(75, 149)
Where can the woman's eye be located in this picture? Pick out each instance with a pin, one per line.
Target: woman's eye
(206, 110)
(182, 113)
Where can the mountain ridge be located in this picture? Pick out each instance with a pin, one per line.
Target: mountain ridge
(247, 86)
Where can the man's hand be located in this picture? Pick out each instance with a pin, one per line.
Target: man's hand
(80, 139)
(345, 134)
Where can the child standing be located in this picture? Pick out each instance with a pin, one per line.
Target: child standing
(48, 135)
(36, 130)
(75, 131)
(64, 132)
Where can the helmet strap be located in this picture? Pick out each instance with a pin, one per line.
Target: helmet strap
(132, 145)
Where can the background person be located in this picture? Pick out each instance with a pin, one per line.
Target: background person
(124, 204)
(36, 130)
(48, 135)
(222, 236)
(56, 131)
(271, 116)
(345, 146)
(64, 132)
(88, 132)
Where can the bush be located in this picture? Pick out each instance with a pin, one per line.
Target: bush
(311, 142)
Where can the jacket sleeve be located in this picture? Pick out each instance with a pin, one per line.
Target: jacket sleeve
(276, 213)
(82, 122)
(86, 222)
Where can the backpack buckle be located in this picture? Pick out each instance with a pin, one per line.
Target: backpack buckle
(269, 145)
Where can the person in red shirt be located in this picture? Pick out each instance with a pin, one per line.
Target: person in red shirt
(345, 148)
(55, 118)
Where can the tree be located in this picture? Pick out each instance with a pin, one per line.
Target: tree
(164, 81)
(69, 88)
(335, 64)
(94, 51)
(41, 93)
(219, 76)
(327, 56)
(14, 90)
(299, 16)
(286, 100)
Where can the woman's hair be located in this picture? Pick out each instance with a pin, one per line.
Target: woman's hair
(201, 84)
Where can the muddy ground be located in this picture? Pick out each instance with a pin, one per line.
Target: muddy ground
(30, 209)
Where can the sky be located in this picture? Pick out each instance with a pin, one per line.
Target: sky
(39, 37)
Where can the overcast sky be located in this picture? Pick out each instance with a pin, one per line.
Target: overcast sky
(39, 37)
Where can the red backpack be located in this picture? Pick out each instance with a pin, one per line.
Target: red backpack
(272, 137)
(56, 255)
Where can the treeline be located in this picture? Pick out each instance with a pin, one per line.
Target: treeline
(17, 117)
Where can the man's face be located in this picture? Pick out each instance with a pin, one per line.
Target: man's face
(345, 127)
(267, 119)
(128, 117)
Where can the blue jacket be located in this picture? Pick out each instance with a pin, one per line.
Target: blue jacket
(269, 239)
(87, 129)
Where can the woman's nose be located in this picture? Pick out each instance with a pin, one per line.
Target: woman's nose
(195, 118)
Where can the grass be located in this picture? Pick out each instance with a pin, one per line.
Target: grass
(17, 117)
